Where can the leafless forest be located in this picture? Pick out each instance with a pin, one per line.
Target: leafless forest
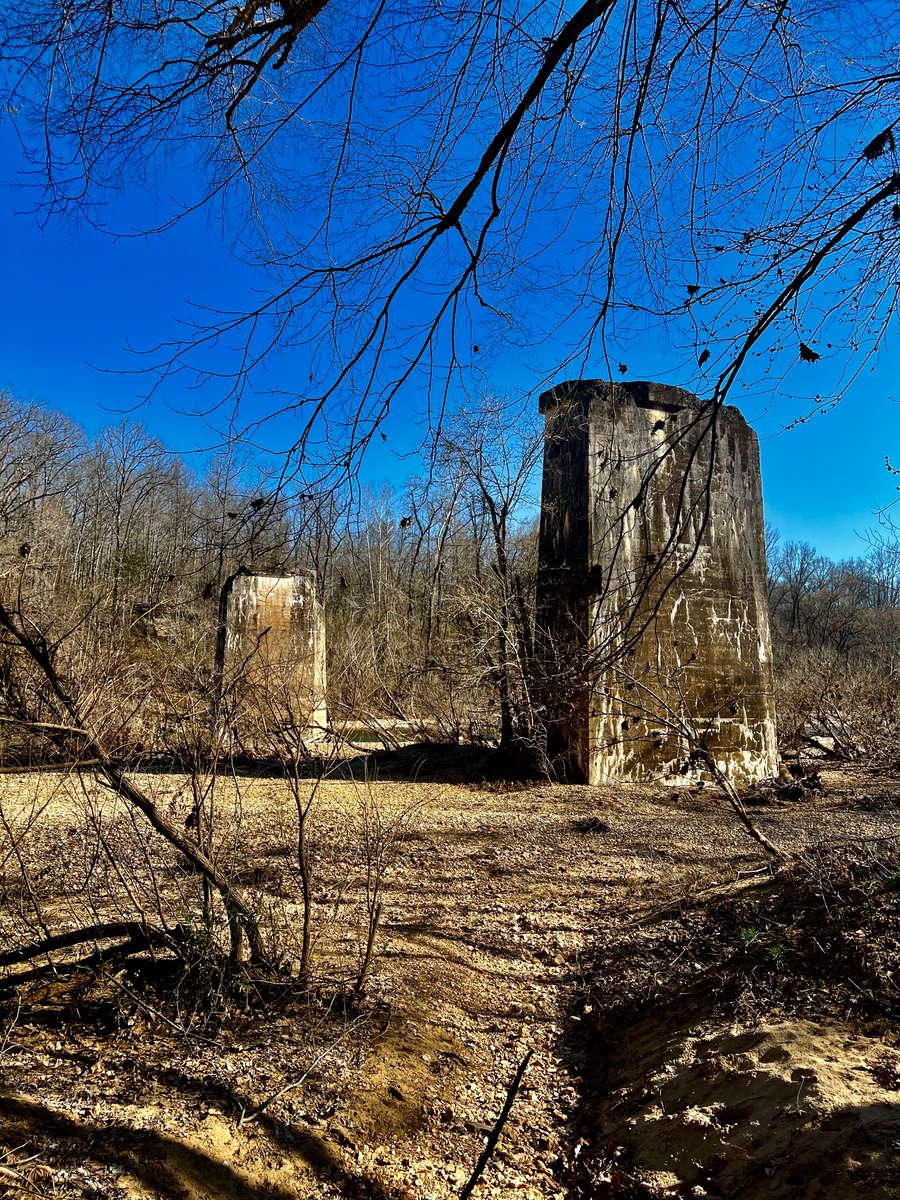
(399, 959)
(115, 551)
(378, 961)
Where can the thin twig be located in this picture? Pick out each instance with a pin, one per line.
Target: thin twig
(494, 1136)
(245, 1117)
(4, 1045)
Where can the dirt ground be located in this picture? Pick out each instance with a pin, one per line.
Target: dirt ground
(570, 922)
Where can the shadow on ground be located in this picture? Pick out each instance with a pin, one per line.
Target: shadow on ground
(167, 1164)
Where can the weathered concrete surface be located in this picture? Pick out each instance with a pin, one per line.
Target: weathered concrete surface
(652, 585)
(271, 653)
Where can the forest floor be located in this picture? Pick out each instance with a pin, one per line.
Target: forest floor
(697, 1027)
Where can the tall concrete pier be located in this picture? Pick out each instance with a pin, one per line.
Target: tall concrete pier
(652, 585)
(271, 653)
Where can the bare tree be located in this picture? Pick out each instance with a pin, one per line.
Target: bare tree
(835, 636)
(493, 450)
(425, 185)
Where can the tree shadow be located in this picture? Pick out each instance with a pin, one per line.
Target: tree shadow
(165, 1163)
(423, 762)
(428, 762)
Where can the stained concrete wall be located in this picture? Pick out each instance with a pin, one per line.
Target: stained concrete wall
(652, 584)
(272, 642)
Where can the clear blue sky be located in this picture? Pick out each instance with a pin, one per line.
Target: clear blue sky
(73, 298)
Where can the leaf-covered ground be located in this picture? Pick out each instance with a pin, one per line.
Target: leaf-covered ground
(697, 1028)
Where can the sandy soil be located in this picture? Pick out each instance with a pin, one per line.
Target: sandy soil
(496, 901)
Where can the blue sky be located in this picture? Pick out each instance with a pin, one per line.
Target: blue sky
(74, 297)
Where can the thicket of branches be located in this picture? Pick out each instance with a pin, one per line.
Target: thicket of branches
(836, 635)
(422, 188)
(114, 553)
(425, 186)
(112, 556)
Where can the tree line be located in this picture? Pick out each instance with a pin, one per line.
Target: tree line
(115, 550)
(849, 608)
